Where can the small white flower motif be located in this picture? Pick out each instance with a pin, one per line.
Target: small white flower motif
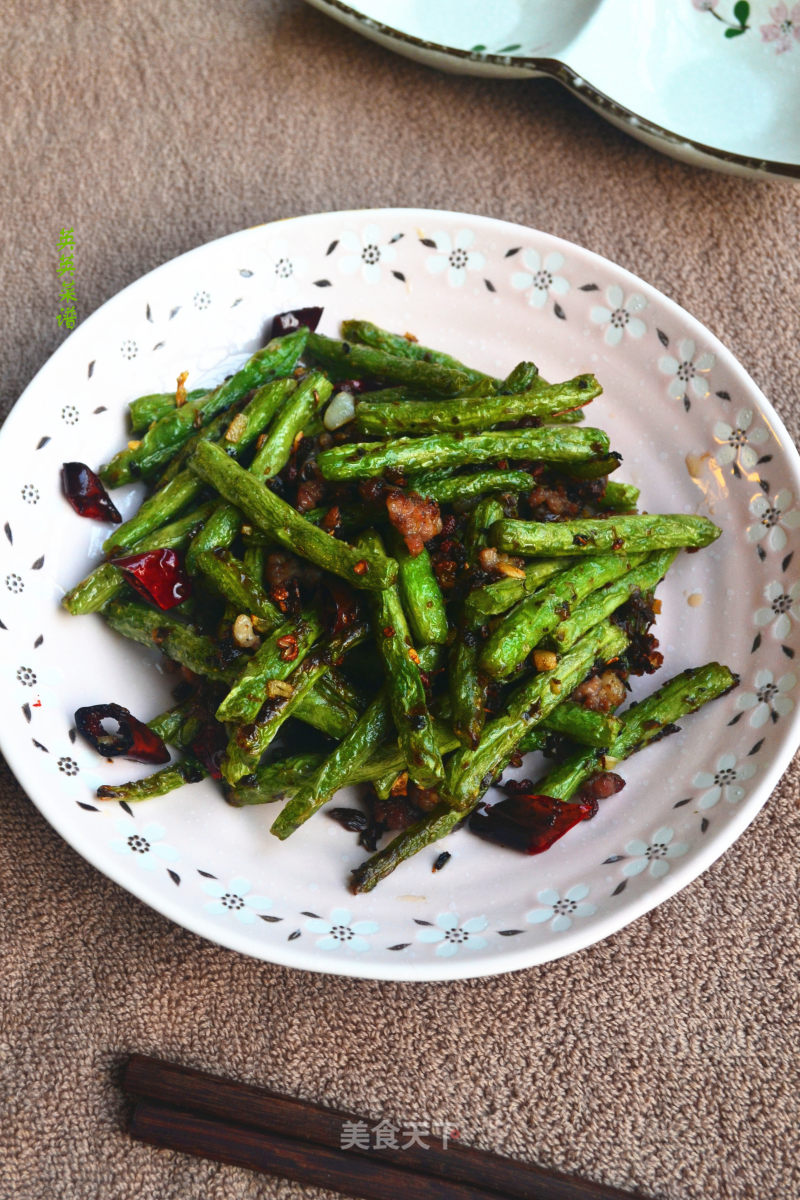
(146, 843)
(739, 440)
(450, 935)
(540, 277)
(26, 676)
(285, 266)
(70, 414)
(235, 898)
(620, 316)
(560, 911)
(653, 854)
(454, 256)
(771, 518)
(688, 373)
(15, 584)
(769, 700)
(30, 494)
(129, 349)
(67, 765)
(365, 253)
(340, 930)
(725, 781)
(201, 300)
(780, 609)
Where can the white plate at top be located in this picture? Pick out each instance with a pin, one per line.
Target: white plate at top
(712, 82)
(697, 437)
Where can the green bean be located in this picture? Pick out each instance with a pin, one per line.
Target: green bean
(498, 597)
(605, 601)
(420, 593)
(621, 497)
(228, 577)
(276, 658)
(311, 394)
(169, 724)
(365, 460)
(474, 412)
(286, 525)
(168, 434)
(103, 583)
(522, 378)
(404, 684)
(324, 710)
(638, 533)
(217, 533)
(642, 723)
(274, 781)
(162, 631)
(465, 487)
(533, 618)
(404, 345)
(433, 826)
(527, 705)
(154, 512)
(353, 361)
(145, 409)
(580, 724)
(248, 742)
(175, 775)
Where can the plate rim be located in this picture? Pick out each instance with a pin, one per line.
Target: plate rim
(429, 970)
(579, 86)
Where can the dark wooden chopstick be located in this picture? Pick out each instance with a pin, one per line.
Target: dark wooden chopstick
(185, 1109)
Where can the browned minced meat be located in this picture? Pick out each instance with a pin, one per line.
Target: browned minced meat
(553, 501)
(599, 787)
(311, 489)
(602, 693)
(417, 519)
(423, 798)
(395, 813)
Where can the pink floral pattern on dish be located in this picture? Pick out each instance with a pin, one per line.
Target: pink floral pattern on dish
(785, 27)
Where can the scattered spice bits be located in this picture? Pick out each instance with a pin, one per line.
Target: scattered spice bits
(442, 860)
(180, 390)
(86, 493)
(286, 322)
(545, 660)
(349, 818)
(361, 567)
(279, 689)
(288, 645)
(131, 739)
(236, 429)
(530, 823)
(157, 575)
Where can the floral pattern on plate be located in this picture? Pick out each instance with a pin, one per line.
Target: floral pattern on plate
(220, 873)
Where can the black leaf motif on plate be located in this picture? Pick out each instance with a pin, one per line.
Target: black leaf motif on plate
(510, 253)
(737, 474)
(761, 552)
(756, 748)
(756, 643)
(589, 287)
(174, 312)
(38, 641)
(489, 285)
(724, 395)
(42, 442)
(788, 651)
(126, 807)
(174, 876)
(736, 718)
(558, 310)
(704, 824)
(100, 408)
(26, 712)
(148, 313)
(614, 858)
(419, 921)
(662, 337)
(687, 404)
(73, 734)
(293, 935)
(764, 458)
(680, 803)
(267, 917)
(239, 301)
(620, 888)
(399, 946)
(509, 932)
(245, 273)
(3, 625)
(396, 238)
(206, 874)
(7, 529)
(39, 746)
(322, 283)
(429, 242)
(399, 275)
(87, 807)
(90, 369)
(316, 916)
(159, 345)
(332, 247)
(764, 485)
(787, 560)
(37, 566)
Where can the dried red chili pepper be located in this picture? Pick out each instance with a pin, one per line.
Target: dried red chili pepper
(131, 739)
(530, 822)
(86, 493)
(209, 745)
(157, 575)
(287, 321)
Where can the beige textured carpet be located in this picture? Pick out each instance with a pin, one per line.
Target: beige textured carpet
(664, 1059)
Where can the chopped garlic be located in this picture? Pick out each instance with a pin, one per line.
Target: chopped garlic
(340, 410)
(243, 633)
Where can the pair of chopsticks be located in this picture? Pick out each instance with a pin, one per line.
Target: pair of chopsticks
(179, 1108)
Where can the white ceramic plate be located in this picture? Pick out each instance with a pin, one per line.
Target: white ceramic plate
(713, 82)
(697, 437)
